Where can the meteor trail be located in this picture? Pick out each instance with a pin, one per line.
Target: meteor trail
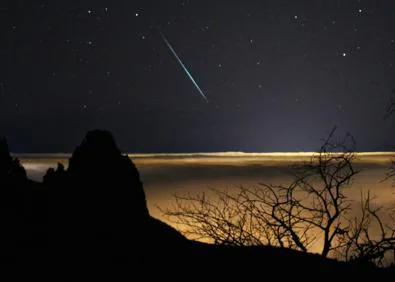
(183, 66)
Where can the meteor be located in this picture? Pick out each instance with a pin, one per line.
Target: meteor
(183, 66)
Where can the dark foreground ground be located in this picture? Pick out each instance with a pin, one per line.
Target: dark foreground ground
(90, 222)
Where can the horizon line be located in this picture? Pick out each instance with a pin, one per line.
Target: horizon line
(213, 154)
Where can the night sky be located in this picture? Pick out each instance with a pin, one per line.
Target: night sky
(278, 74)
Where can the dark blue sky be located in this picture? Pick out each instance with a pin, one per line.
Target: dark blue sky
(278, 74)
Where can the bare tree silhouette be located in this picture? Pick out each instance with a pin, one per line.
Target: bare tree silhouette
(312, 210)
(358, 243)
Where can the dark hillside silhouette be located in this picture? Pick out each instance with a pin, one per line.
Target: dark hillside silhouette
(90, 221)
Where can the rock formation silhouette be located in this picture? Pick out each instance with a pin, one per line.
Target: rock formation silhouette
(99, 200)
(21, 221)
(11, 171)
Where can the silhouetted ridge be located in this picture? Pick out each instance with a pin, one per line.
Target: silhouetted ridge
(53, 177)
(10, 168)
